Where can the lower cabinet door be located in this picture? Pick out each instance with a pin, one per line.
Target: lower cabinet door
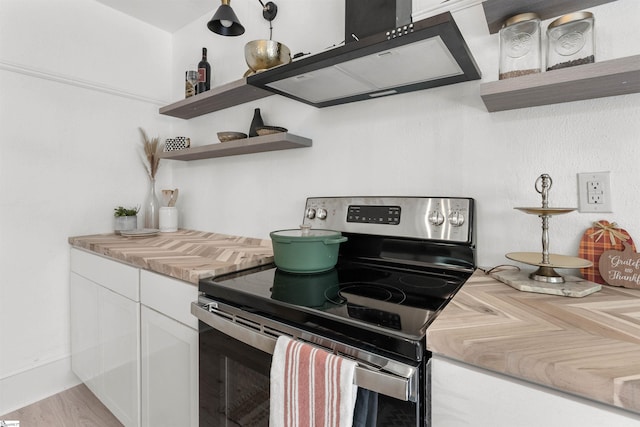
(120, 349)
(85, 332)
(105, 346)
(169, 371)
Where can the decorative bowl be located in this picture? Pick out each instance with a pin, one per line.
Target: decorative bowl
(230, 136)
(263, 54)
(268, 130)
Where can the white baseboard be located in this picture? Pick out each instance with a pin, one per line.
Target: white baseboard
(27, 387)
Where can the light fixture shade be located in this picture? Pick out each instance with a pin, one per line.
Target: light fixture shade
(225, 14)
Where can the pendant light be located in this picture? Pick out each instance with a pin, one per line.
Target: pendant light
(226, 23)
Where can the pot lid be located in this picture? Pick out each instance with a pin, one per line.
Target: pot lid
(305, 233)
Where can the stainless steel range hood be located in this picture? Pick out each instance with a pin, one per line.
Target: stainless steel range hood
(425, 54)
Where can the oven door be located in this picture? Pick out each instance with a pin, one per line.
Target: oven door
(235, 359)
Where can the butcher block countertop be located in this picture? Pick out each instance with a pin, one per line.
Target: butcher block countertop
(185, 254)
(586, 346)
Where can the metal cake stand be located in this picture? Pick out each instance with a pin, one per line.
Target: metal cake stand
(549, 262)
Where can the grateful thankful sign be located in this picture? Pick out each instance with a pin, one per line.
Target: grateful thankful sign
(601, 237)
(621, 268)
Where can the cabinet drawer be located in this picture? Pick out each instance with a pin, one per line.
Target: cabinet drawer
(171, 297)
(120, 278)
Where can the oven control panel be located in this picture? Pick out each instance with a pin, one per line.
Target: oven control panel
(374, 214)
(433, 218)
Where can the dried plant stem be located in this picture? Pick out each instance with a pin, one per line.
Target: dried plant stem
(151, 149)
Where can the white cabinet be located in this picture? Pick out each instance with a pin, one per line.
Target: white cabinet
(169, 352)
(462, 395)
(84, 331)
(169, 371)
(134, 341)
(105, 332)
(120, 350)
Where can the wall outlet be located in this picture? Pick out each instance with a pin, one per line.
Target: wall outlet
(594, 192)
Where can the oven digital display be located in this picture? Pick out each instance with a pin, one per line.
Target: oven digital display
(374, 214)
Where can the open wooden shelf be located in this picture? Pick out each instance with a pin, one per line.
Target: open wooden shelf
(601, 79)
(258, 144)
(497, 11)
(218, 98)
(608, 78)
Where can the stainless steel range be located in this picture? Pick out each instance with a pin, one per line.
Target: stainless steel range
(404, 260)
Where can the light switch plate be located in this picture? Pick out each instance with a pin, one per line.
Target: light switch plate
(594, 192)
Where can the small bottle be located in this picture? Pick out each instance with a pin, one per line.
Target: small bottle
(520, 46)
(256, 122)
(570, 41)
(204, 73)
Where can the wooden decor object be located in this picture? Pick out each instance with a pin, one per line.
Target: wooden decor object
(621, 268)
(497, 11)
(218, 98)
(607, 78)
(601, 237)
(257, 144)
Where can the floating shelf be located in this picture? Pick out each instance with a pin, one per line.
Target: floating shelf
(597, 80)
(218, 98)
(497, 11)
(258, 144)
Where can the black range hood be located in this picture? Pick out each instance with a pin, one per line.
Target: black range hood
(422, 55)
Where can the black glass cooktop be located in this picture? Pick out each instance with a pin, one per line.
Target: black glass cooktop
(382, 307)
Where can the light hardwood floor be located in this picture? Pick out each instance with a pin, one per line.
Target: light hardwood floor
(76, 406)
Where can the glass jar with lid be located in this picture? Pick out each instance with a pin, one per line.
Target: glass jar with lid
(570, 41)
(520, 46)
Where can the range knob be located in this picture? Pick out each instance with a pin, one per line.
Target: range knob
(321, 213)
(436, 218)
(310, 213)
(456, 218)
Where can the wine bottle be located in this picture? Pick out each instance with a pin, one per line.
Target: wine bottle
(204, 73)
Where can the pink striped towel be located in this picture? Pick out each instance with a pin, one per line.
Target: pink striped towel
(310, 387)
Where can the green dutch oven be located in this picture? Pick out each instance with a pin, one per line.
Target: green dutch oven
(306, 250)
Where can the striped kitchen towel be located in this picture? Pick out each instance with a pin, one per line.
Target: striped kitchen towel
(310, 387)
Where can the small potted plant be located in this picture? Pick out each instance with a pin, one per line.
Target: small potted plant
(125, 219)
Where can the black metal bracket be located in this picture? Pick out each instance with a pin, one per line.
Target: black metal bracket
(269, 10)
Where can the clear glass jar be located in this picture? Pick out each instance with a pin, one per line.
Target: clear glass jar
(520, 46)
(570, 41)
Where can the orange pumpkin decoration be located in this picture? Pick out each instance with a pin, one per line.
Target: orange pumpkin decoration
(603, 236)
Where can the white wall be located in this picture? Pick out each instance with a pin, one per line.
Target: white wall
(435, 142)
(76, 81)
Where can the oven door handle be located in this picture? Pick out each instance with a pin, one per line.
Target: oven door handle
(381, 382)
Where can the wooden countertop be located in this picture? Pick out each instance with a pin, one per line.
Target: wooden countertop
(185, 254)
(586, 346)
